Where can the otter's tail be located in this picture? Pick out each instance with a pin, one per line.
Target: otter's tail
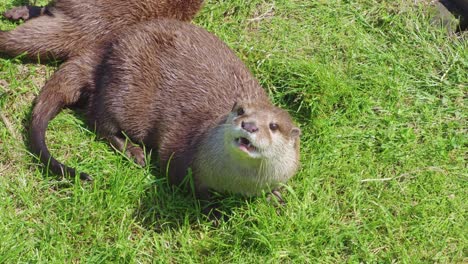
(42, 114)
(45, 37)
(63, 89)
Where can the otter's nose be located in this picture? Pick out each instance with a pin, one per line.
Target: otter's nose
(249, 126)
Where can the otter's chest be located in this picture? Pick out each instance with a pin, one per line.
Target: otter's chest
(232, 178)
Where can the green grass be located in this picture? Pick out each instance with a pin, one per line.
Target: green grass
(380, 95)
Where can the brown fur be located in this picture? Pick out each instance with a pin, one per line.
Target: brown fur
(171, 86)
(75, 30)
(65, 27)
(70, 83)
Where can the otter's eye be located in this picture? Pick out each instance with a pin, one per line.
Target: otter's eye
(240, 111)
(274, 126)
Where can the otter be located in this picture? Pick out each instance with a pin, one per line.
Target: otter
(73, 31)
(67, 27)
(177, 89)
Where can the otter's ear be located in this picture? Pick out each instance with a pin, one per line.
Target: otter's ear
(295, 132)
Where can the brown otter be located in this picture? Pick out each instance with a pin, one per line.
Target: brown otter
(171, 86)
(66, 27)
(74, 30)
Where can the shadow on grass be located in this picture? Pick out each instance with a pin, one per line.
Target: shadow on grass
(160, 206)
(164, 206)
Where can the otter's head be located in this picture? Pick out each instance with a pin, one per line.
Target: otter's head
(262, 132)
(260, 150)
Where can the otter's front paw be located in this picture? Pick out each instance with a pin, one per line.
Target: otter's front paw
(23, 12)
(137, 154)
(275, 196)
(17, 13)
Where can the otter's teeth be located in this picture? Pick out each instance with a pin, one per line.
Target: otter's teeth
(245, 143)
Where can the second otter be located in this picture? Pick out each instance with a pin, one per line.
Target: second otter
(67, 27)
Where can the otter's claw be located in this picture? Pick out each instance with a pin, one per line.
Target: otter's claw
(276, 195)
(137, 154)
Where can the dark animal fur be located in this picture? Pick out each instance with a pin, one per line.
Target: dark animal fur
(65, 27)
(75, 30)
(166, 84)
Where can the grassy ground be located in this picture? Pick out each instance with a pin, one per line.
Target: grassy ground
(380, 95)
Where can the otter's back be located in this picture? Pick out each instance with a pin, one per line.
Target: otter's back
(165, 82)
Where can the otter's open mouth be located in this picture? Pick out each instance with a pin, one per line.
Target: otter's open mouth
(245, 145)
